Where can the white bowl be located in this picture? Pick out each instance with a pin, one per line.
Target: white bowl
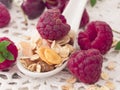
(40, 74)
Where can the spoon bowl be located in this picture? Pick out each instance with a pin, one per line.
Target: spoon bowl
(73, 19)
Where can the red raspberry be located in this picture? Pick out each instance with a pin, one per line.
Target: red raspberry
(52, 25)
(4, 16)
(8, 53)
(59, 4)
(98, 35)
(85, 19)
(86, 65)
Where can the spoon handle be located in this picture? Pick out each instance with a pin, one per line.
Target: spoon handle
(73, 13)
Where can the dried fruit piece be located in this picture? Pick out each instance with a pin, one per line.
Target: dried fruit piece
(52, 57)
(41, 53)
(26, 49)
(49, 56)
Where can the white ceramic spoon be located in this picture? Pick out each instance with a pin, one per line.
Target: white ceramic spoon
(73, 13)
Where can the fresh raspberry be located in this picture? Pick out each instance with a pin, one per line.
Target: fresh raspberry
(33, 8)
(4, 16)
(59, 4)
(7, 49)
(85, 19)
(98, 35)
(52, 25)
(86, 65)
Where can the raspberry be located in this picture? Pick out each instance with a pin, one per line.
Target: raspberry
(86, 65)
(7, 3)
(52, 25)
(59, 4)
(85, 19)
(98, 35)
(4, 16)
(5, 50)
(33, 8)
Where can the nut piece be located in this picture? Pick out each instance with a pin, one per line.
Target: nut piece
(26, 62)
(64, 52)
(34, 57)
(64, 41)
(45, 67)
(38, 68)
(104, 76)
(32, 67)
